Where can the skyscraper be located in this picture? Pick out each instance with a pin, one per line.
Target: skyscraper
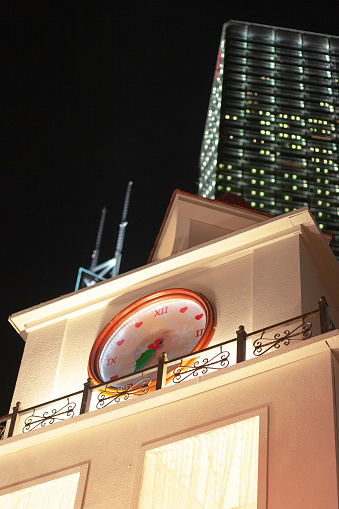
(272, 128)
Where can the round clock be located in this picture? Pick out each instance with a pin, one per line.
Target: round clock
(174, 321)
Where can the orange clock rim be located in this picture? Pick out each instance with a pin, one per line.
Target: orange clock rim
(126, 313)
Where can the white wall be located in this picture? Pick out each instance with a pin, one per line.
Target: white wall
(276, 282)
(301, 437)
(39, 364)
(258, 289)
(313, 287)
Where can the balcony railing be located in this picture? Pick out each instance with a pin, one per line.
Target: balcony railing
(166, 372)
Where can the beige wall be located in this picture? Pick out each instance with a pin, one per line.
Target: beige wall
(39, 365)
(313, 286)
(60, 356)
(262, 287)
(301, 436)
(276, 282)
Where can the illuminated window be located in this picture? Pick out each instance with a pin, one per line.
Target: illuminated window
(56, 493)
(218, 468)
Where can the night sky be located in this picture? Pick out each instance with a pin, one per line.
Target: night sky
(96, 94)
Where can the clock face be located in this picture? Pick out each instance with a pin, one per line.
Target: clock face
(175, 321)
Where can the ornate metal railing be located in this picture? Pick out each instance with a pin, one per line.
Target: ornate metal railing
(40, 419)
(166, 371)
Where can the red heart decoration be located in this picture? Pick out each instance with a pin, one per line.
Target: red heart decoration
(119, 343)
(139, 324)
(182, 310)
(156, 346)
(199, 316)
(157, 341)
(114, 377)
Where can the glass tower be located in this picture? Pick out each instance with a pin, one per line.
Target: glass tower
(272, 129)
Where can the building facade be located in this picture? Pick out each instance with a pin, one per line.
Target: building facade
(272, 128)
(251, 422)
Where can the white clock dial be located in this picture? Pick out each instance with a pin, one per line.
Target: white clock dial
(174, 321)
(174, 326)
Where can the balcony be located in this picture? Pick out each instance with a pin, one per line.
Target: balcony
(216, 358)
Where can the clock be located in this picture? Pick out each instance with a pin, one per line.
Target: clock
(174, 321)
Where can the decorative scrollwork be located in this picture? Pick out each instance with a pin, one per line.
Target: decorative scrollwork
(182, 372)
(35, 420)
(113, 394)
(301, 332)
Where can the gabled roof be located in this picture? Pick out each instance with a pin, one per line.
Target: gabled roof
(196, 231)
(191, 220)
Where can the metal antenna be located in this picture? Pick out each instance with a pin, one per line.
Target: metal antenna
(95, 254)
(97, 272)
(122, 231)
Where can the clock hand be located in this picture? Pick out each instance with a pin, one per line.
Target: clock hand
(141, 362)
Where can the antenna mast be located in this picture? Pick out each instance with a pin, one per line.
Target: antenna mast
(97, 272)
(95, 254)
(122, 231)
